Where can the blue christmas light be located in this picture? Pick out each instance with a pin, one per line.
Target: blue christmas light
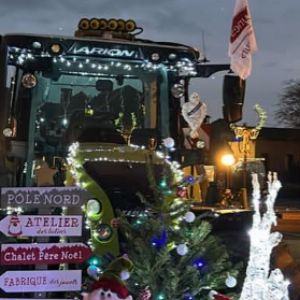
(190, 179)
(238, 139)
(198, 263)
(159, 241)
(188, 296)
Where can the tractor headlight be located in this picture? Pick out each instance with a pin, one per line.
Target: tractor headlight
(56, 48)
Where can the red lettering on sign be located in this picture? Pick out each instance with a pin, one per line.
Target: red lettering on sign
(239, 23)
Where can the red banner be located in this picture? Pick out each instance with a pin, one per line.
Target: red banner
(242, 40)
(33, 254)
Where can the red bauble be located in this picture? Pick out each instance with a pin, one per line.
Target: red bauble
(221, 297)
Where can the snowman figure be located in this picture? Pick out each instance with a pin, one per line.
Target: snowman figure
(110, 286)
(194, 112)
(14, 226)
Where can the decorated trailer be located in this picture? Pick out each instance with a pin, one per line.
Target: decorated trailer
(81, 119)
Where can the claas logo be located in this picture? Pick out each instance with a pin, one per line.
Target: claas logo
(119, 25)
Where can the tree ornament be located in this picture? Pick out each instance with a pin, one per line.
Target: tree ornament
(169, 142)
(124, 275)
(182, 249)
(104, 232)
(181, 192)
(230, 281)
(214, 295)
(200, 144)
(93, 271)
(93, 207)
(115, 222)
(177, 90)
(189, 217)
(145, 294)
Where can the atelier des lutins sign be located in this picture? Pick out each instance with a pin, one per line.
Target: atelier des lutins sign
(46, 225)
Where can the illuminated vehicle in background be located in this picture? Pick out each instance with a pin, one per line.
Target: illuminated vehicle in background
(105, 82)
(99, 92)
(105, 89)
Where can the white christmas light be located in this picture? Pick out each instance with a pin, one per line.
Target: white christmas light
(182, 249)
(189, 217)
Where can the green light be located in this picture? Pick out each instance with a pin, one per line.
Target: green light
(161, 296)
(95, 261)
(163, 183)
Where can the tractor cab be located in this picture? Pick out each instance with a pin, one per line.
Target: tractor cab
(103, 86)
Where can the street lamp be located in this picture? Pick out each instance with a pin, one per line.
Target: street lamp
(227, 160)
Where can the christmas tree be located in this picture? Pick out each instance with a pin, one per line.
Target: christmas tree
(174, 254)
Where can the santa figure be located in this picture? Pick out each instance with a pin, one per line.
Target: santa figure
(14, 227)
(110, 285)
(108, 289)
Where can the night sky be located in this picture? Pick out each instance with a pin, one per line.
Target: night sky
(276, 24)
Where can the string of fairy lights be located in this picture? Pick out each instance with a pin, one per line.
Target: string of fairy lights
(79, 155)
(19, 56)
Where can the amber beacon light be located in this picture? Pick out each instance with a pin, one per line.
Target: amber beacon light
(104, 24)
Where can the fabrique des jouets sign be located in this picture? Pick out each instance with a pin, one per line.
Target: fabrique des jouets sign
(44, 225)
(43, 197)
(44, 253)
(41, 281)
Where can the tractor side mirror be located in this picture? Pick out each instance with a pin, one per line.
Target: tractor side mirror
(233, 98)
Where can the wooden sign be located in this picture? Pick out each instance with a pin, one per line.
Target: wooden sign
(43, 197)
(45, 225)
(47, 253)
(40, 281)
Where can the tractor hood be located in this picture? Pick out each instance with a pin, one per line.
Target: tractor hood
(125, 173)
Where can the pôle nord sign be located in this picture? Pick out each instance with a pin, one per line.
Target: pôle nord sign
(35, 225)
(43, 197)
(44, 253)
(40, 281)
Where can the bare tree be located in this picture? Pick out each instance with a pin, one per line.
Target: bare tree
(288, 111)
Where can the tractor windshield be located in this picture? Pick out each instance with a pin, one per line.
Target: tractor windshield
(58, 100)
(81, 101)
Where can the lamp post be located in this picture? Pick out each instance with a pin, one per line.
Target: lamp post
(247, 134)
(228, 160)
